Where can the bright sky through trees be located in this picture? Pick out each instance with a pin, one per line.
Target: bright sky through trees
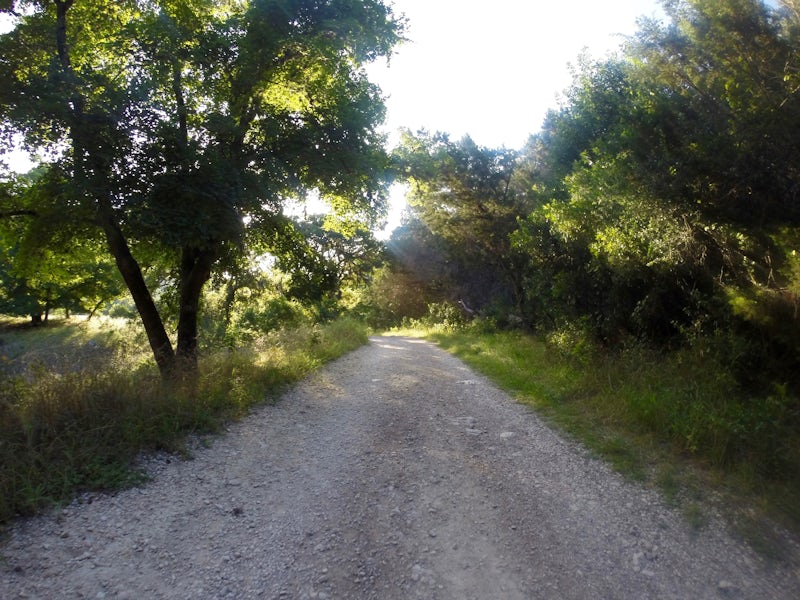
(493, 69)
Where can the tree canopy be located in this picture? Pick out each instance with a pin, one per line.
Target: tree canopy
(465, 194)
(181, 127)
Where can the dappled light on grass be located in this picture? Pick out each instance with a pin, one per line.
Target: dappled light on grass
(522, 363)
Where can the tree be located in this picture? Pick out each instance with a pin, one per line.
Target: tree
(350, 255)
(464, 194)
(726, 71)
(47, 260)
(664, 191)
(185, 124)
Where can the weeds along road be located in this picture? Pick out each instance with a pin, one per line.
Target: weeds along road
(394, 472)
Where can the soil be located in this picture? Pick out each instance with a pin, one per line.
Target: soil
(394, 472)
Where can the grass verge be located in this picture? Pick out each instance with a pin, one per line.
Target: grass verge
(75, 418)
(677, 422)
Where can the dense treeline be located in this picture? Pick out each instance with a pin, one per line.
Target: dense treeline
(658, 204)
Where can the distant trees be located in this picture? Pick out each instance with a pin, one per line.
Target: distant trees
(178, 128)
(419, 272)
(325, 259)
(465, 196)
(47, 260)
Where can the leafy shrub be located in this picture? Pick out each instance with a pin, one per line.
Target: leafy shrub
(268, 315)
(446, 314)
(395, 295)
(573, 339)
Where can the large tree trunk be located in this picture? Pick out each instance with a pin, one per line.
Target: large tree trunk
(195, 272)
(134, 279)
(195, 268)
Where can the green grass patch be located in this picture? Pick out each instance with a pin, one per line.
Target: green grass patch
(79, 401)
(676, 420)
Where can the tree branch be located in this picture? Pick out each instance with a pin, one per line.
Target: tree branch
(22, 212)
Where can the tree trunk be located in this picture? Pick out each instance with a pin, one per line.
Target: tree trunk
(47, 305)
(230, 298)
(195, 272)
(134, 280)
(95, 309)
(195, 268)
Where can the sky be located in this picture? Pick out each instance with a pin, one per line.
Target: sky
(493, 69)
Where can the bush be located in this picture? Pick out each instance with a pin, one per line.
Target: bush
(395, 296)
(574, 340)
(447, 315)
(266, 316)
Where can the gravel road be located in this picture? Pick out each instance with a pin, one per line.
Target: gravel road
(394, 472)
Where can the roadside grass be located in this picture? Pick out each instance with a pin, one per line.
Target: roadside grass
(676, 421)
(79, 401)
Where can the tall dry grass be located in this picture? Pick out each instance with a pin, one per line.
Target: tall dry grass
(79, 402)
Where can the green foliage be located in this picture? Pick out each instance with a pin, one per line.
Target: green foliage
(259, 296)
(418, 272)
(573, 340)
(392, 296)
(464, 195)
(448, 315)
(652, 231)
(271, 314)
(49, 260)
(321, 257)
(445, 316)
(663, 191)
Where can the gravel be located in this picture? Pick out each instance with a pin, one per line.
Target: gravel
(394, 472)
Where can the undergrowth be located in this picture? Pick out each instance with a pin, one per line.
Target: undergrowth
(78, 403)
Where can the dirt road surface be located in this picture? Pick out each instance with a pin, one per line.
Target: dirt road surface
(395, 472)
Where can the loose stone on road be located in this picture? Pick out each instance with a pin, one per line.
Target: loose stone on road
(394, 472)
